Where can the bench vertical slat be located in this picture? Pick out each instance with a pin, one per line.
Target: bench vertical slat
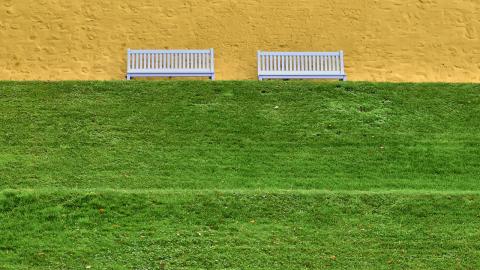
(266, 65)
(154, 61)
(191, 60)
(207, 64)
(129, 64)
(302, 66)
(149, 62)
(338, 63)
(195, 61)
(263, 62)
(325, 63)
(213, 61)
(152, 55)
(199, 60)
(162, 60)
(180, 61)
(259, 62)
(294, 60)
(205, 61)
(134, 59)
(137, 60)
(144, 61)
(305, 63)
(140, 62)
(196, 57)
(342, 65)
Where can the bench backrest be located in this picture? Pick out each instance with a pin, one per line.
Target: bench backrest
(170, 61)
(301, 62)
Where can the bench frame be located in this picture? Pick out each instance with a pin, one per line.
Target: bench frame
(170, 63)
(301, 65)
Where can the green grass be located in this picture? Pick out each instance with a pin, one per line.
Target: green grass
(239, 175)
(236, 135)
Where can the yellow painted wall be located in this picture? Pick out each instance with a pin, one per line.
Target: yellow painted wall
(384, 40)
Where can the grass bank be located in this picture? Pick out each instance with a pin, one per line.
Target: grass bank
(239, 175)
(239, 135)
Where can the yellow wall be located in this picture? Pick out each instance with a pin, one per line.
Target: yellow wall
(384, 40)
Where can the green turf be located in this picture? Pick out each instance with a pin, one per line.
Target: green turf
(239, 175)
(235, 135)
(238, 230)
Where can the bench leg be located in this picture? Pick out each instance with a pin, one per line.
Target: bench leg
(260, 78)
(344, 79)
(212, 77)
(129, 77)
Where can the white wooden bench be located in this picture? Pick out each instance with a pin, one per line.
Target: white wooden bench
(301, 65)
(170, 63)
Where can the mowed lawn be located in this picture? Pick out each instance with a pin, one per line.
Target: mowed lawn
(239, 175)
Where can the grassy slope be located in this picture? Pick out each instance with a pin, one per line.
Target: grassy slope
(192, 175)
(239, 135)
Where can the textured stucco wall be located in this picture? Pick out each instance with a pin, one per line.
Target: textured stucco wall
(384, 40)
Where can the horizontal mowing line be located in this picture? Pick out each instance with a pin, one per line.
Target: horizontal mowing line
(247, 191)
